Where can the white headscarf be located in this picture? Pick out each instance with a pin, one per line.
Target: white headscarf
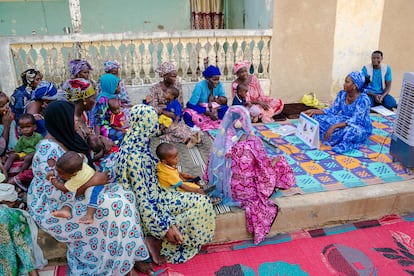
(7, 192)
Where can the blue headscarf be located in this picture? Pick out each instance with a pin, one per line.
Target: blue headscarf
(45, 91)
(359, 80)
(108, 83)
(211, 71)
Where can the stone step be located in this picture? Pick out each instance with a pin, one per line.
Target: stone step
(309, 211)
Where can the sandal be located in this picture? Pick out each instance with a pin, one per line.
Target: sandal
(215, 200)
(209, 188)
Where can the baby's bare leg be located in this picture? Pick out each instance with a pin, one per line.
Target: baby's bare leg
(88, 218)
(64, 212)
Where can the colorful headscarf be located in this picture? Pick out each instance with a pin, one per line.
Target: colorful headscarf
(358, 78)
(45, 91)
(79, 89)
(235, 123)
(108, 83)
(239, 65)
(29, 76)
(165, 68)
(211, 71)
(111, 64)
(78, 65)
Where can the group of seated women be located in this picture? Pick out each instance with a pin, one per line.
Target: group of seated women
(138, 222)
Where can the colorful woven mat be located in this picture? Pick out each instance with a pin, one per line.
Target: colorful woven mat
(321, 169)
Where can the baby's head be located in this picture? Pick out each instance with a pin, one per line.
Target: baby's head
(95, 143)
(114, 106)
(242, 90)
(69, 164)
(4, 103)
(168, 154)
(221, 100)
(27, 124)
(172, 93)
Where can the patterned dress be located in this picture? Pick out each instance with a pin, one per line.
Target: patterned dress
(356, 115)
(192, 213)
(256, 94)
(244, 174)
(254, 179)
(16, 254)
(109, 246)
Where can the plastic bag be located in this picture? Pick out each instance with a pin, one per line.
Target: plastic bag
(310, 100)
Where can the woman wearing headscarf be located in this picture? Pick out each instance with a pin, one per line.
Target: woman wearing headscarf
(22, 95)
(346, 124)
(109, 84)
(78, 68)
(112, 67)
(113, 244)
(83, 95)
(267, 106)
(175, 224)
(244, 174)
(168, 72)
(205, 92)
(44, 93)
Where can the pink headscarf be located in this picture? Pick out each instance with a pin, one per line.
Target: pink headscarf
(239, 65)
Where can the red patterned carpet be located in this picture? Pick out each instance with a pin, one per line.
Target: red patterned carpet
(377, 247)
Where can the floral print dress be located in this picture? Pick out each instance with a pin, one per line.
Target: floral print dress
(108, 246)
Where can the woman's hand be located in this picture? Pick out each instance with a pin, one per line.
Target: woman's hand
(311, 112)
(7, 117)
(264, 105)
(328, 133)
(174, 236)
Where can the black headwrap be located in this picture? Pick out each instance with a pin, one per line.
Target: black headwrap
(60, 123)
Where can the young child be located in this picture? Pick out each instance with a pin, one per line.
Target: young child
(169, 176)
(170, 118)
(214, 104)
(71, 168)
(240, 99)
(117, 122)
(101, 146)
(26, 145)
(173, 111)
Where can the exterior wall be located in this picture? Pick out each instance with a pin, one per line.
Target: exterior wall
(302, 47)
(396, 40)
(40, 17)
(314, 46)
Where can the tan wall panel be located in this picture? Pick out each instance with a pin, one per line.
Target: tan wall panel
(302, 52)
(397, 40)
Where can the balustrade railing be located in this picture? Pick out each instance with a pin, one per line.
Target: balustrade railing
(140, 53)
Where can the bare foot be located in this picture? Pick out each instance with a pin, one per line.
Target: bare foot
(62, 213)
(154, 248)
(144, 267)
(86, 219)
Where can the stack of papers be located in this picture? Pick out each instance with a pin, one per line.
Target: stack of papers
(382, 110)
(284, 130)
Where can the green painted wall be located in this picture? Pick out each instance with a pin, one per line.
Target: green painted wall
(41, 17)
(50, 17)
(259, 14)
(135, 15)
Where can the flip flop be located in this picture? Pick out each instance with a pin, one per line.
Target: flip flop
(215, 200)
(209, 189)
